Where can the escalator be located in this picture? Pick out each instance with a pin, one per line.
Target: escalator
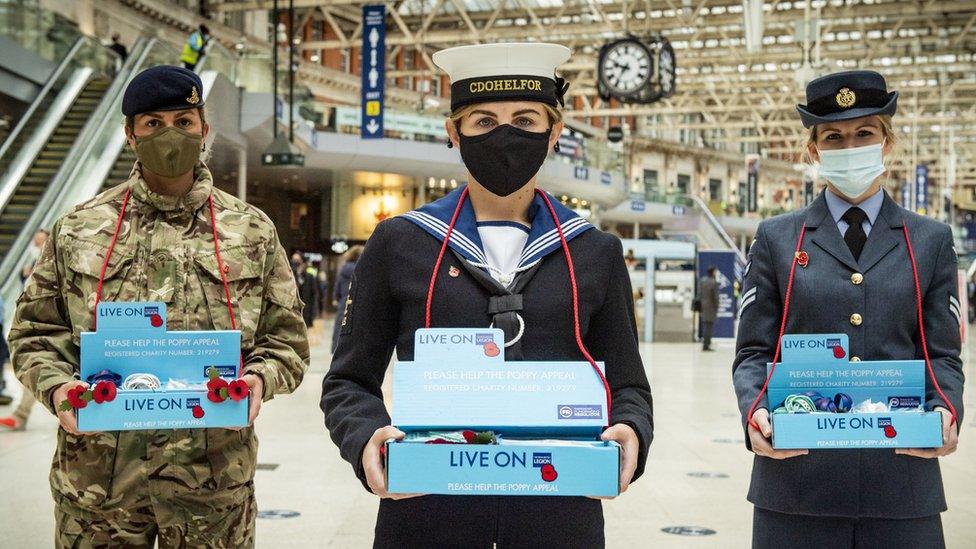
(48, 161)
(120, 169)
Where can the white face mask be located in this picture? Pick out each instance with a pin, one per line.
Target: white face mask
(851, 171)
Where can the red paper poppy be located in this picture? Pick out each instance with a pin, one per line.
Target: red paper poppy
(75, 397)
(104, 391)
(216, 390)
(238, 389)
(156, 321)
(468, 435)
(197, 412)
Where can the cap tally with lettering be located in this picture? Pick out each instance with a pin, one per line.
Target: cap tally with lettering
(504, 72)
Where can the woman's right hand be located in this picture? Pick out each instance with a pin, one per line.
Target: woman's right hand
(760, 440)
(373, 462)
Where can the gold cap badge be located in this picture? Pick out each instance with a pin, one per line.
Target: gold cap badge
(846, 98)
(195, 97)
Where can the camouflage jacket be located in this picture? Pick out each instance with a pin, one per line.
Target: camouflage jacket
(165, 252)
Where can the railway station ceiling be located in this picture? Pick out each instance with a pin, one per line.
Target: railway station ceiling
(741, 65)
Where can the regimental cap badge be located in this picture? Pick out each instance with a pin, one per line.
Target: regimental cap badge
(846, 98)
(195, 97)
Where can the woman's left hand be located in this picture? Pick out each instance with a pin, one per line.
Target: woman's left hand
(625, 436)
(950, 440)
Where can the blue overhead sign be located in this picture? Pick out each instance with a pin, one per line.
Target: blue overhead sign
(372, 69)
(921, 189)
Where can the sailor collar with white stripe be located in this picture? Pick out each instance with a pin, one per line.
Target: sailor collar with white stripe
(543, 236)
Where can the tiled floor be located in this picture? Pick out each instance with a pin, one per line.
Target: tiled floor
(697, 474)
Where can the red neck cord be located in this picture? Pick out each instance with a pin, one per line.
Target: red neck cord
(786, 308)
(115, 237)
(921, 328)
(572, 281)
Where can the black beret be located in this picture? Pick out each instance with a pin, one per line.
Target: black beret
(846, 96)
(162, 88)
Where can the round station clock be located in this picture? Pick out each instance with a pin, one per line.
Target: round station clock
(632, 71)
(625, 68)
(666, 69)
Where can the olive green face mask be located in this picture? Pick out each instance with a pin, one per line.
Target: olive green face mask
(169, 152)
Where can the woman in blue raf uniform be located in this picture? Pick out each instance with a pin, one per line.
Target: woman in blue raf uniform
(853, 275)
(506, 264)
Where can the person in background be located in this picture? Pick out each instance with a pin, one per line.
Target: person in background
(343, 278)
(194, 49)
(308, 288)
(32, 254)
(323, 280)
(118, 48)
(296, 262)
(708, 293)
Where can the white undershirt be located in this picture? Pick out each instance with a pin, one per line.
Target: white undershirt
(503, 243)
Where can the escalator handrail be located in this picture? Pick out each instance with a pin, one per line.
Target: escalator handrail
(41, 96)
(713, 221)
(46, 211)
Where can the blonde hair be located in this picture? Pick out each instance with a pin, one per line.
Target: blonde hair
(887, 130)
(554, 114)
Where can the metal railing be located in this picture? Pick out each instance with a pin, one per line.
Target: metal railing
(714, 224)
(97, 146)
(42, 96)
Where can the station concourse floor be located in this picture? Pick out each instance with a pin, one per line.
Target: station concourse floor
(697, 473)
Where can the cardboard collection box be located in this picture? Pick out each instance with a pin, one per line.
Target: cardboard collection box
(548, 417)
(819, 363)
(132, 338)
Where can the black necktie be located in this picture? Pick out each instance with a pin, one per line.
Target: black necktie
(855, 236)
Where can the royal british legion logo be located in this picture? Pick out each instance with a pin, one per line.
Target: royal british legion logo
(149, 311)
(481, 339)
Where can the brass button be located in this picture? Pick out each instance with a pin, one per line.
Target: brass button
(857, 278)
(856, 319)
(855, 359)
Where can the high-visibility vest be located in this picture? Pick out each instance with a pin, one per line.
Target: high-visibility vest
(192, 48)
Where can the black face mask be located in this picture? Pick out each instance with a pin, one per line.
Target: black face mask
(506, 158)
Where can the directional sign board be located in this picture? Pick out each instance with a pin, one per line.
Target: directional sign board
(373, 68)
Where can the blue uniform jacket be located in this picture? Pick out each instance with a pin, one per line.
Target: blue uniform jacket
(386, 306)
(851, 483)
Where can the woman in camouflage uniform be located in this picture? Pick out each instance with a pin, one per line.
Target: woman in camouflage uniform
(183, 487)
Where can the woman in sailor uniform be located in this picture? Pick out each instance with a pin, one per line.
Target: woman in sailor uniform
(852, 253)
(505, 264)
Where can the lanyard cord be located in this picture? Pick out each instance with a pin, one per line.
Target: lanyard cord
(921, 328)
(572, 281)
(115, 237)
(782, 329)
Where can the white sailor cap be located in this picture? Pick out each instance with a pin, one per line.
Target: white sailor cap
(504, 72)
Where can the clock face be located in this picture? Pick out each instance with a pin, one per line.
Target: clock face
(666, 71)
(625, 67)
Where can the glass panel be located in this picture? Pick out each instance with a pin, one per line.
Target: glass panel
(38, 30)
